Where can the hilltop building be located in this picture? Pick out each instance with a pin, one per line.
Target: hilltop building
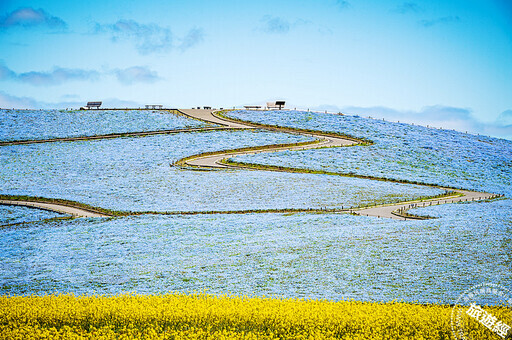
(154, 107)
(278, 104)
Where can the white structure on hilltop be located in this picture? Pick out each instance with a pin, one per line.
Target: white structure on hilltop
(154, 107)
(278, 104)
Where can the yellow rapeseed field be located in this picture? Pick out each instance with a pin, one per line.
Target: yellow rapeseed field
(203, 316)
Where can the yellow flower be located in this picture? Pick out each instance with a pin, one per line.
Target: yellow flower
(202, 316)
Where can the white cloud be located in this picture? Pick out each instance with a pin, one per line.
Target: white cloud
(446, 117)
(136, 74)
(30, 17)
(505, 118)
(57, 76)
(6, 73)
(278, 25)
(193, 37)
(8, 101)
(408, 7)
(438, 21)
(149, 38)
(275, 25)
(343, 4)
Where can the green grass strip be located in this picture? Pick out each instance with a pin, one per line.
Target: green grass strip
(255, 166)
(114, 135)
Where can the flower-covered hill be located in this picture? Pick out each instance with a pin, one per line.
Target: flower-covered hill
(400, 151)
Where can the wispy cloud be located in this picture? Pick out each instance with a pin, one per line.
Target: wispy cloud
(6, 73)
(149, 38)
(30, 17)
(55, 77)
(436, 115)
(193, 37)
(70, 96)
(447, 117)
(343, 4)
(136, 74)
(275, 25)
(408, 7)
(8, 101)
(438, 21)
(505, 118)
(59, 75)
(12, 102)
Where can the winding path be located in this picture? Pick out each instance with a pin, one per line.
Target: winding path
(394, 211)
(216, 160)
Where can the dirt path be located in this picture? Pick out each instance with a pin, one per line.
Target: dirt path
(394, 211)
(206, 115)
(55, 207)
(213, 161)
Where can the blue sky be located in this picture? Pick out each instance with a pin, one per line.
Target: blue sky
(445, 63)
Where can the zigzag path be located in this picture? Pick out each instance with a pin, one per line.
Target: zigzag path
(217, 160)
(394, 211)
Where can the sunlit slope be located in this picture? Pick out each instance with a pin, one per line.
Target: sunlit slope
(47, 124)
(135, 174)
(400, 151)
